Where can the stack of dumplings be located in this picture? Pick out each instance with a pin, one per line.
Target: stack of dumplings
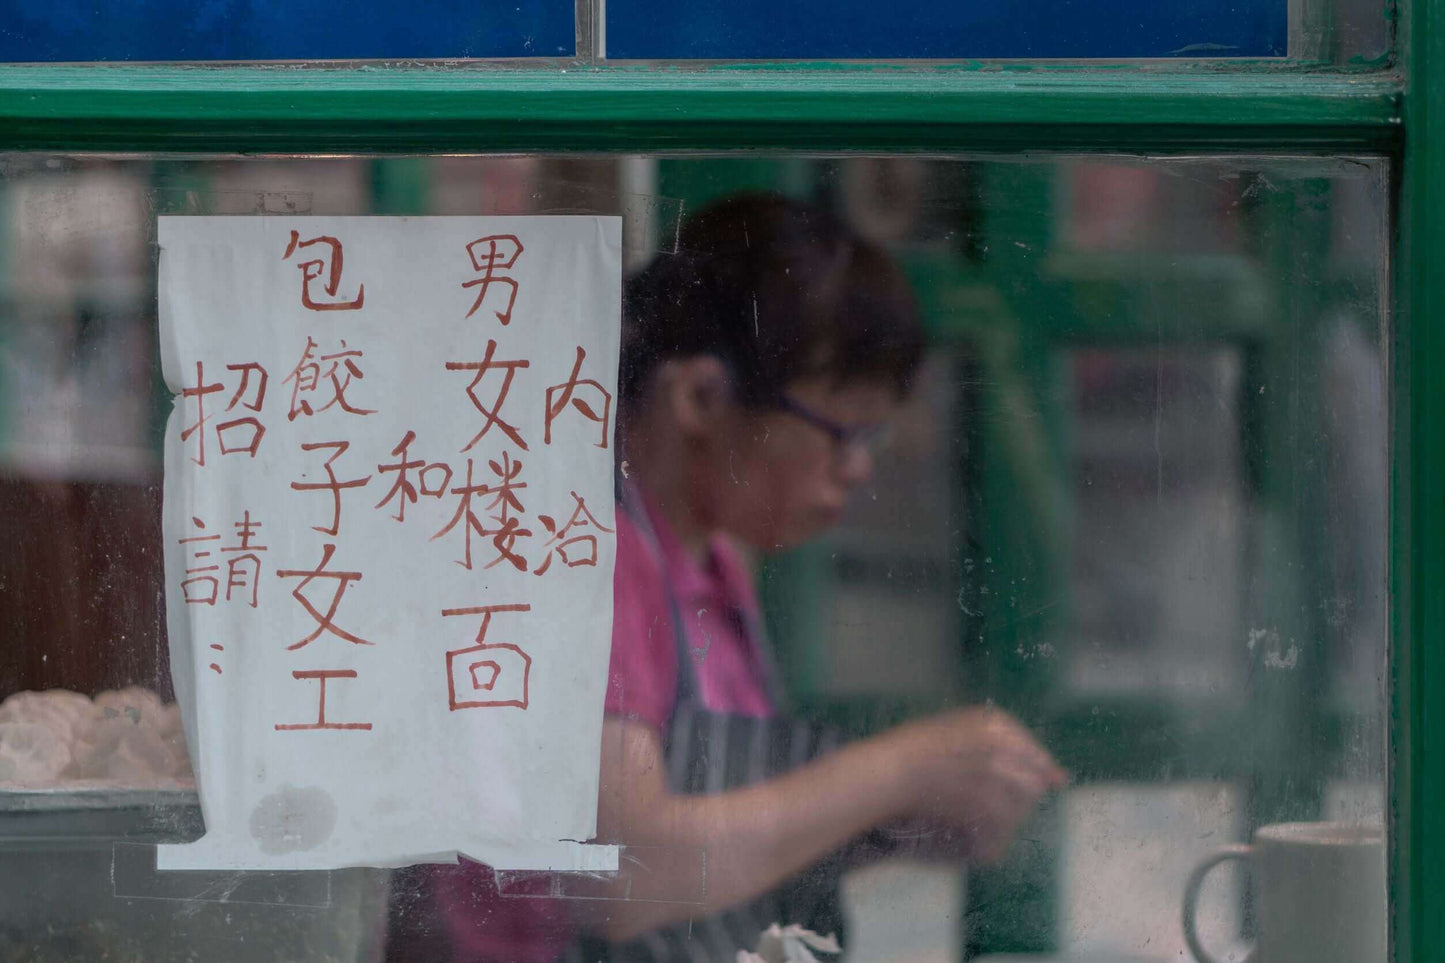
(124, 738)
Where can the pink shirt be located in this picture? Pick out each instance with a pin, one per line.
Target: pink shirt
(711, 595)
(714, 597)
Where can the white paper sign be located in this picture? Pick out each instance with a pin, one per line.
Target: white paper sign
(389, 543)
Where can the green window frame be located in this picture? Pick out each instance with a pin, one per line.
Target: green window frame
(1396, 109)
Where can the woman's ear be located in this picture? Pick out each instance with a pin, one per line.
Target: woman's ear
(698, 394)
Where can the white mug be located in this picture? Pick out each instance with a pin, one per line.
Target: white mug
(1319, 894)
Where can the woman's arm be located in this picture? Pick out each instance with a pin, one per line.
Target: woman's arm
(977, 769)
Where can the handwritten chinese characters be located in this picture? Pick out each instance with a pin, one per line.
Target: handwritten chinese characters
(385, 428)
(248, 428)
(505, 667)
(498, 252)
(202, 582)
(326, 268)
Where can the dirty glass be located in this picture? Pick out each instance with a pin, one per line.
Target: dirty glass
(1125, 531)
(1346, 32)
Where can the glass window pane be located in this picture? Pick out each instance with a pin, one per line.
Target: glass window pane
(1133, 498)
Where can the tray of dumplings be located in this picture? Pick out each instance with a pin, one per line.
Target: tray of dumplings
(116, 763)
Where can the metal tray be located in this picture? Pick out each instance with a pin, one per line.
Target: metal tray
(87, 814)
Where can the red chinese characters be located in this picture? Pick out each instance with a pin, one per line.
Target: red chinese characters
(488, 674)
(504, 501)
(322, 676)
(243, 568)
(558, 397)
(325, 613)
(312, 372)
(433, 478)
(335, 614)
(493, 414)
(496, 252)
(324, 622)
(333, 484)
(565, 543)
(324, 268)
(202, 584)
(238, 435)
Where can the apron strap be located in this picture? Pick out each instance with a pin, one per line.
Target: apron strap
(750, 626)
(687, 690)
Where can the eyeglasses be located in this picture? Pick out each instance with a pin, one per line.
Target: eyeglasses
(871, 438)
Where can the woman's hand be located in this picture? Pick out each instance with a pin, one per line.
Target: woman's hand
(977, 771)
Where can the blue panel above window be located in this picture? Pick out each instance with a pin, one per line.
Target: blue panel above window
(191, 30)
(962, 29)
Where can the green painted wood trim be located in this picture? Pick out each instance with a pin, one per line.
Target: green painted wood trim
(1418, 517)
(812, 107)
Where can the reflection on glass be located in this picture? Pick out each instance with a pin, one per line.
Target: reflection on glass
(1136, 497)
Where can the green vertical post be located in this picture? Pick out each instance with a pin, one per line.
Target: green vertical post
(1418, 505)
(1013, 908)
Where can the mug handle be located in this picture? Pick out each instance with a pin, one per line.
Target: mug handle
(1191, 896)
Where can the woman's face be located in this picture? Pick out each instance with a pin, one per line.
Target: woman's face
(782, 476)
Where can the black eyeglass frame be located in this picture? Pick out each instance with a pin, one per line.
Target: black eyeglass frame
(872, 437)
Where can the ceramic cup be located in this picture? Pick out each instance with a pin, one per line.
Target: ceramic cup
(1319, 894)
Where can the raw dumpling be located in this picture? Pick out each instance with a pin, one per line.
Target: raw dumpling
(31, 754)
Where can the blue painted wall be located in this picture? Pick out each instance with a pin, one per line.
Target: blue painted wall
(848, 29)
(84, 30)
(89, 30)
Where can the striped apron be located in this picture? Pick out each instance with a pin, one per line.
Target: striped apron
(708, 752)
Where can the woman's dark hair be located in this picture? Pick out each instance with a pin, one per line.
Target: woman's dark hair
(778, 291)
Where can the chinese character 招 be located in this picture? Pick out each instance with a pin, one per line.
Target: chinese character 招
(236, 435)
